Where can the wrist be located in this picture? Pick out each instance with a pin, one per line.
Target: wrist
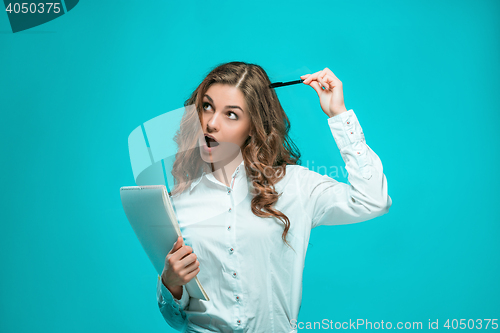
(175, 291)
(337, 112)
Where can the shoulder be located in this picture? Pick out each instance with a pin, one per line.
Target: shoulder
(299, 171)
(305, 179)
(292, 170)
(293, 173)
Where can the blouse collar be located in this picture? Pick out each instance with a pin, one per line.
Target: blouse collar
(197, 181)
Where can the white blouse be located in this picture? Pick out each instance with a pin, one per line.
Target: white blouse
(253, 279)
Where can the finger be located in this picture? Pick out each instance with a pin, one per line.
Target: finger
(304, 76)
(332, 82)
(192, 267)
(312, 77)
(318, 75)
(176, 245)
(192, 274)
(328, 79)
(179, 243)
(319, 79)
(188, 273)
(181, 253)
(331, 73)
(316, 81)
(189, 268)
(323, 83)
(189, 259)
(316, 87)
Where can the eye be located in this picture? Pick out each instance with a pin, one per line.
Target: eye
(231, 112)
(205, 104)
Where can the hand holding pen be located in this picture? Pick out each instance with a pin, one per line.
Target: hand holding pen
(327, 86)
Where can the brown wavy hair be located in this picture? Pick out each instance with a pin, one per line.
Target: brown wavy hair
(270, 146)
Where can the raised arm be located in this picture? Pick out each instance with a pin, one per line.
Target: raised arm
(327, 201)
(330, 202)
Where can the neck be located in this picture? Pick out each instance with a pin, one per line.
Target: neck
(223, 170)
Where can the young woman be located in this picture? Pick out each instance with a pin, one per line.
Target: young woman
(247, 206)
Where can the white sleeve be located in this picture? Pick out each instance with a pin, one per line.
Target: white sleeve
(171, 308)
(329, 202)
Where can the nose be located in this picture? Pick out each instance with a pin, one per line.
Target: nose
(213, 122)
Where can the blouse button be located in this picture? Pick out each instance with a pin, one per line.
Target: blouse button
(239, 321)
(229, 228)
(351, 132)
(347, 122)
(231, 250)
(237, 298)
(234, 274)
(228, 191)
(229, 210)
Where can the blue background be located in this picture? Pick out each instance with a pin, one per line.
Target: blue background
(422, 77)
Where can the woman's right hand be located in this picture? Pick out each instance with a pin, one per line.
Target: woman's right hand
(181, 265)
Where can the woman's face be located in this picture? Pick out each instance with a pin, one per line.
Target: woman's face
(225, 117)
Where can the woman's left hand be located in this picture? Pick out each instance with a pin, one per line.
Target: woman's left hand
(331, 98)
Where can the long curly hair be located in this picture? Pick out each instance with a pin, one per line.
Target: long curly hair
(266, 153)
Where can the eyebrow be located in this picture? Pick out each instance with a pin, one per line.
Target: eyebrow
(227, 106)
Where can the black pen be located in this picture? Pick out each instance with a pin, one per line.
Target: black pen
(282, 84)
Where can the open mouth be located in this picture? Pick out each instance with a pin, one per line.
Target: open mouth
(211, 142)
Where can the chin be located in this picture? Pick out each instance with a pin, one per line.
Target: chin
(225, 151)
